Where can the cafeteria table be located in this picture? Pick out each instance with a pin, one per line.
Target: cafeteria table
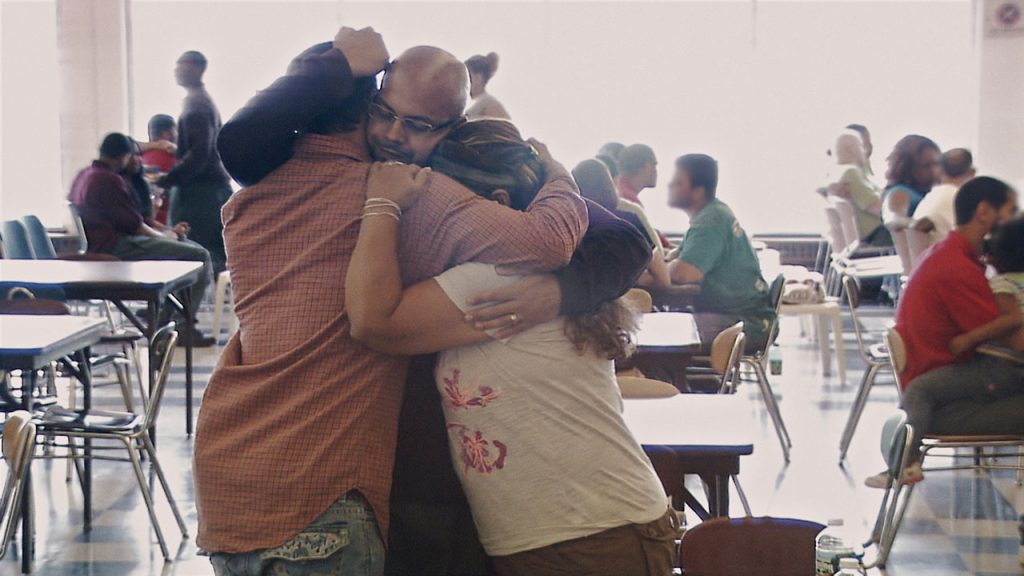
(152, 281)
(707, 432)
(30, 343)
(666, 343)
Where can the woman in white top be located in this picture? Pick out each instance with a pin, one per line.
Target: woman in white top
(555, 480)
(481, 70)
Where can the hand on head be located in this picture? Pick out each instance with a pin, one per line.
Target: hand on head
(364, 49)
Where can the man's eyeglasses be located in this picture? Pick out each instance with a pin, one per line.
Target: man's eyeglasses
(379, 110)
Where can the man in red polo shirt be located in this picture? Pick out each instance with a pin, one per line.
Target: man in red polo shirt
(947, 296)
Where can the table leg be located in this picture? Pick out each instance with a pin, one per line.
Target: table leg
(86, 377)
(27, 528)
(152, 325)
(718, 494)
(190, 327)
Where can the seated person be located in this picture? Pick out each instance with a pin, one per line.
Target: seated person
(114, 225)
(555, 480)
(158, 155)
(1007, 257)
(946, 310)
(849, 180)
(717, 253)
(913, 171)
(133, 174)
(596, 184)
(935, 214)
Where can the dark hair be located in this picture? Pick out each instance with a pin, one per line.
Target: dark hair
(634, 157)
(903, 157)
(957, 162)
(611, 163)
(489, 154)
(483, 65)
(194, 57)
(991, 191)
(702, 171)
(159, 124)
(612, 149)
(347, 114)
(116, 145)
(859, 128)
(595, 183)
(1007, 247)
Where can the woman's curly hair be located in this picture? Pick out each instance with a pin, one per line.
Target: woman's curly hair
(607, 332)
(903, 158)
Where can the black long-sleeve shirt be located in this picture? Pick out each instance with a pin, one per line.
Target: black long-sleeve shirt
(198, 126)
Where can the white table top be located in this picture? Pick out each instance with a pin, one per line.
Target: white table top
(691, 420)
(64, 272)
(32, 335)
(668, 330)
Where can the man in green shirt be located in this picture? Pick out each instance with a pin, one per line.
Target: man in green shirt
(718, 254)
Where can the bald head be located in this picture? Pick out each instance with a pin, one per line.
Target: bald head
(437, 77)
(957, 166)
(424, 94)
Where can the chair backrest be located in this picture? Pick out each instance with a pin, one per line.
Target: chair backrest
(742, 546)
(898, 231)
(79, 228)
(38, 238)
(162, 345)
(897, 356)
(632, 387)
(917, 243)
(893, 444)
(19, 443)
(34, 306)
(639, 300)
(848, 220)
(835, 229)
(15, 240)
(851, 288)
(725, 354)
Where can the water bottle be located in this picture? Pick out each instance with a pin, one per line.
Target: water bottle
(775, 360)
(849, 567)
(831, 549)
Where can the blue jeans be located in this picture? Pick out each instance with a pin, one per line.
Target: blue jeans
(343, 541)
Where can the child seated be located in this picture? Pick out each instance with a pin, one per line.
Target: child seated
(1007, 257)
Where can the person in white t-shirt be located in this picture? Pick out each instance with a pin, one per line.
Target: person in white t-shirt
(935, 215)
(556, 482)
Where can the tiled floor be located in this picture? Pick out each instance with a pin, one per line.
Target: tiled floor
(958, 523)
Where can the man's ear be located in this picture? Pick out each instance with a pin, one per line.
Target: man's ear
(501, 196)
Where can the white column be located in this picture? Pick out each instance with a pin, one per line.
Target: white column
(1000, 150)
(93, 52)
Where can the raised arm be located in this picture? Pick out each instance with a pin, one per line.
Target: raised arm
(417, 320)
(259, 137)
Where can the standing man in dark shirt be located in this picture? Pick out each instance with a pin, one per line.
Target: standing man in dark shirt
(431, 531)
(115, 225)
(201, 186)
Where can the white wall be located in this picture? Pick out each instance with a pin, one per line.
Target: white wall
(30, 169)
(764, 94)
(1000, 150)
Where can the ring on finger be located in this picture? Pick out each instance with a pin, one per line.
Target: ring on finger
(513, 318)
